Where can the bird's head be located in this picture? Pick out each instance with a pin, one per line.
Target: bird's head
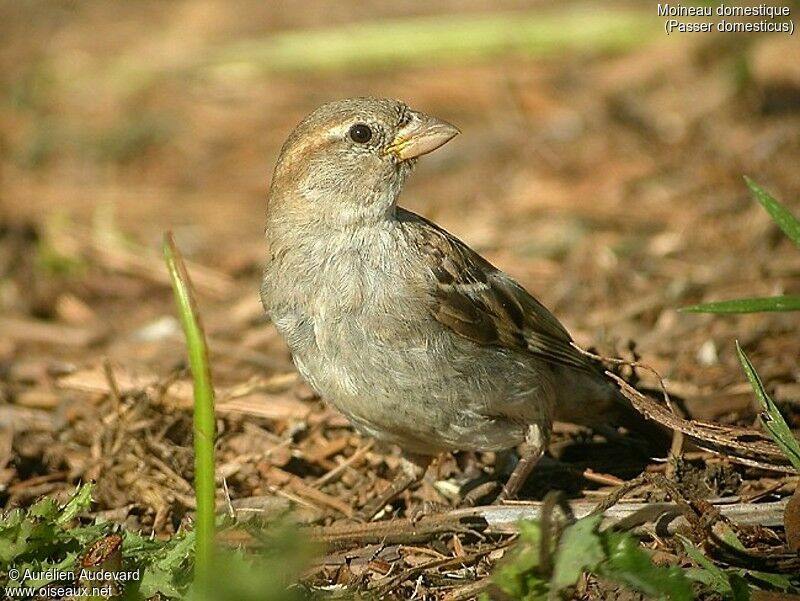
(348, 159)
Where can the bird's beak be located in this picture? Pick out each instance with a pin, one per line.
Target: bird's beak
(421, 135)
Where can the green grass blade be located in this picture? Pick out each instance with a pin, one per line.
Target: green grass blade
(770, 417)
(204, 424)
(747, 305)
(441, 39)
(780, 214)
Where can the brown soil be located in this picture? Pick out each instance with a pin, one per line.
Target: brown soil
(610, 185)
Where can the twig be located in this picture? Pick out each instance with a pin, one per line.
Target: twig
(631, 364)
(280, 477)
(675, 452)
(599, 478)
(741, 445)
(504, 519)
(227, 493)
(553, 499)
(320, 454)
(757, 496)
(334, 473)
(113, 387)
(401, 531)
(37, 480)
(412, 572)
(468, 591)
(658, 480)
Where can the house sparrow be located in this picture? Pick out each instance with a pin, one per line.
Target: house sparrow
(399, 325)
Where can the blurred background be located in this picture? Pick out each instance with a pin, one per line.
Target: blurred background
(601, 164)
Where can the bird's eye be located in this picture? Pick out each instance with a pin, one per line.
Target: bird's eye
(360, 133)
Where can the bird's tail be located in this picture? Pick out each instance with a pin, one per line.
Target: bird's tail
(595, 398)
(590, 398)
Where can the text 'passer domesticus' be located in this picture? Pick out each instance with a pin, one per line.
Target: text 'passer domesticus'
(399, 325)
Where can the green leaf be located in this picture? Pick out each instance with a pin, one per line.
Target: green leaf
(42, 567)
(629, 564)
(167, 572)
(261, 577)
(157, 582)
(726, 534)
(579, 549)
(747, 305)
(81, 501)
(44, 509)
(614, 555)
(178, 553)
(519, 576)
(15, 534)
(708, 574)
(777, 581)
(730, 584)
(780, 214)
(701, 575)
(739, 587)
(770, 417)
(530, 532)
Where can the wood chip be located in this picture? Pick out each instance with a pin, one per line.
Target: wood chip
(23, 419)
(279, 477)
(94, 379)
(328, 449)
(268, 406)
(791, 521)
(141, 262)
(21, 329)
(37, 398)
(72, 310)
(6, 450)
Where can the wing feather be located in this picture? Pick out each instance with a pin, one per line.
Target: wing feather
(482, 304)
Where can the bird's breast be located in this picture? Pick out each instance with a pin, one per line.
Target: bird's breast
(349, 284)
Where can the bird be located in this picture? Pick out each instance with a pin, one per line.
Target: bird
(412, 335)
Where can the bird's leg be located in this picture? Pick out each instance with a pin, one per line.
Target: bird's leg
(535, 444)
(412, 469)
(484, 490)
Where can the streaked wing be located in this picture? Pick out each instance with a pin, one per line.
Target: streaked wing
(484, 305)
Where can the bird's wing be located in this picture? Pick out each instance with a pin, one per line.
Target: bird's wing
(481, 303)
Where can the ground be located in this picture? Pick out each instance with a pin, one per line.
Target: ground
(609, 182)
